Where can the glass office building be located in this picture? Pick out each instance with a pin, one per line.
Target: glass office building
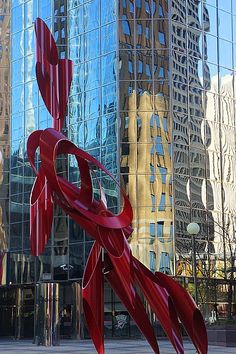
(152, 98)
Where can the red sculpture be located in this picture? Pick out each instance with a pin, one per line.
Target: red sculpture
(123, 271)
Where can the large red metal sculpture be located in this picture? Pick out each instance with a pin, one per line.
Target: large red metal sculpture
(111, 256)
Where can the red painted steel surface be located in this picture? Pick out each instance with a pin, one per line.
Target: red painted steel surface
(111, 256)
(54, 75)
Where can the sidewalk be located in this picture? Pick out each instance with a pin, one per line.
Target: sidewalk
(111, 347)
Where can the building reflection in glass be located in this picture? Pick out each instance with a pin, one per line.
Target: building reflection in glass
(145, 132)
(204, 119)
(192, 191)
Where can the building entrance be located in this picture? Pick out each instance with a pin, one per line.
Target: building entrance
(7, 312)
(17, 312)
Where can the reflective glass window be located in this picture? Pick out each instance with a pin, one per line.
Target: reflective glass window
(76, 260)
(16, 43)
(108, 38)
(15, 267)
(226, 80)
(130, 67)
(225, 5)
(76, 108)
(234, 29)
(92, 103)
(76, 49)
(161, 73)
(210, 77)
(75, 22)
(210, 49)
(225, 53)
(17, 99)
(210, 19)
(31, 120)
(30, 13)
(161, 37)
(109, 98)
(92, 133)
(163, 172)
(158, 146)
(165, 263)
(92, 74)
(29, 67)
(140, 29)
(17, 72)
(153, 265)
(224, 21)
(45, 9)
(148, 70)
(76, 233)
(109, 64)
(160, 226)
(171, 231)
(125, 26)
(77, 85)
(16, 235)
(17, 126)
(162, 205)
(153, 199)
(15, 3)
(160, 10)
(147, 7)
(152, 229)
(234, 7)
(138, 3)
(17, 16)
(92, 45)
(165, 124)
(92, 14)
(109, 129)
(108, 11)
(44, 265)
(140, 67)
(29, 41)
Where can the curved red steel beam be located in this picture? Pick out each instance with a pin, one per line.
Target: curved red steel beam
(93, 296)
(188, 313)
(54, 78)
(41, 203)
(162, 304)
(110, 232)
(126, 271)
(136, 309)
(54, 75)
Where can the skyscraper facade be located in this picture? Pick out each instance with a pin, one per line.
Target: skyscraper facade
(4, 136)
(153, 99)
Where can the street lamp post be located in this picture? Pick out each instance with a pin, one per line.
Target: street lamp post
(193, 229)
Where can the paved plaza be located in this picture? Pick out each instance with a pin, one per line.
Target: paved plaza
(111, 347)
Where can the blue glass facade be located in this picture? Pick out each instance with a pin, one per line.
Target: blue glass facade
(120, 92)
(28, 113)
